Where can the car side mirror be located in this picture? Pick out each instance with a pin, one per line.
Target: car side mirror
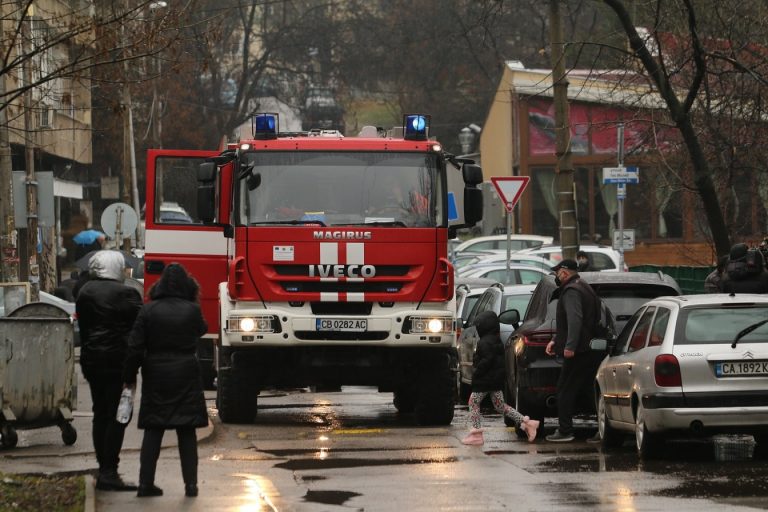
(510, 317)
(599, 344)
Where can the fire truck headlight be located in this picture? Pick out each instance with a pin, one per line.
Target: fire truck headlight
(256, 324)
(435, 325)
(247, 324)
(428, 325)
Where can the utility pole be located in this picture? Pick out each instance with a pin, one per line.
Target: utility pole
(32, 265)
(566, 205)
(9, 256)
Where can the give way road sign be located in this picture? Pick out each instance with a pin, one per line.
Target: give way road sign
(510, 188)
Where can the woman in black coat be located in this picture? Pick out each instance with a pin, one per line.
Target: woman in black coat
(488, 378)
(163, 344)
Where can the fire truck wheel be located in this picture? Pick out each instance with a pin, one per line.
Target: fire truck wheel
(405, 400)
(235, 399)
(437, 389)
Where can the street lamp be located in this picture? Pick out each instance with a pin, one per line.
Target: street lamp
(467, 137)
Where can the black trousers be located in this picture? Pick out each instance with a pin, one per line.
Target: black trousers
(150, 452)
(575, 387)
(108, 433)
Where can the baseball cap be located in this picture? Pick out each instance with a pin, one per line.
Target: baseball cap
(567, 264)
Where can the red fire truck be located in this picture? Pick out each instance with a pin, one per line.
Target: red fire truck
(322, 260)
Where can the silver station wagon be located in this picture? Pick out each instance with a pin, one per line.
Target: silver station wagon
(687, 365)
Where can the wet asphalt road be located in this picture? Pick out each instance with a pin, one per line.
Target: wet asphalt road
(350, 450)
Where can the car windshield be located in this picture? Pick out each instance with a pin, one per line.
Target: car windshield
(341, 189)
(714, 325)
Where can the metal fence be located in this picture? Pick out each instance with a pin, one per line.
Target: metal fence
(690, 279)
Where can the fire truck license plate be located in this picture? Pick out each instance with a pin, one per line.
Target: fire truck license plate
(342, 324)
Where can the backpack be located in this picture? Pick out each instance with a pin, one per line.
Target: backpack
(605, 327)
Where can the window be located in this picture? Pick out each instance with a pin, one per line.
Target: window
(637, 341)
(600, 261)
(623, 339)
(659, 327)
(176, 190)
(530, 276)
(518, 302)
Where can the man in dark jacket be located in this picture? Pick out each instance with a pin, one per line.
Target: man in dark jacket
(106, 310)
(745, 271)
(577, 316)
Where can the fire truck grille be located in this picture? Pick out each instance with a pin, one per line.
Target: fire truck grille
(342, 336)
(303, 270)
(341, 287)
(341, 308)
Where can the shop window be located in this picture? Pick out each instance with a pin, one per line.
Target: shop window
(544, 201)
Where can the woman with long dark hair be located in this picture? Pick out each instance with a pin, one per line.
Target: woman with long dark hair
(163, 343)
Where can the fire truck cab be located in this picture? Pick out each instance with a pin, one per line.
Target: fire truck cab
(322, 260)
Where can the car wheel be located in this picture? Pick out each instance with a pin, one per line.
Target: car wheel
(611, 437)
(647, 442)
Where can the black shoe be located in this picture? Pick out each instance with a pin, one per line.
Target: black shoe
(595, 438)
(190, 490)
(559, 437)
(111, 481)
(147, 491)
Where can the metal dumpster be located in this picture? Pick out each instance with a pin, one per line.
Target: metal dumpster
(38, 384)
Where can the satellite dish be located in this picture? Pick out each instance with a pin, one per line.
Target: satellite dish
(119, 220)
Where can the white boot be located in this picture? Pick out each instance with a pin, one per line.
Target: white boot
(529, 426)
(475, 437)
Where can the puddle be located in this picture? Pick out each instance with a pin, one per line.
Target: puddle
(309, 464)
(572, 494)
(329, 497)
(292, 452)
(734, 486)
(312, 478)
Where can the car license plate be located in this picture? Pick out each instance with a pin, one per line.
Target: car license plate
(342, 324)
(742, 369)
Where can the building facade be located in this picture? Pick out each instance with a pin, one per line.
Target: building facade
(663, 209)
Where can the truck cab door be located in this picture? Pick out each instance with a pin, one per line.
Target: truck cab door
(174, 233)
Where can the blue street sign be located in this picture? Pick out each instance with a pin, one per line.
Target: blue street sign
(614, 175)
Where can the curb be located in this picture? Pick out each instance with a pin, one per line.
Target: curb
(90, 494)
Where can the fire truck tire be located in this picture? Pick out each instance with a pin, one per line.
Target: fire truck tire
(436, 393)
(405, 400)
(236, 401)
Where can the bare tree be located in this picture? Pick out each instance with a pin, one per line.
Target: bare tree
(707, 61)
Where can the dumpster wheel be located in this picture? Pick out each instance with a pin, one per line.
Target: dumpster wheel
(9, 436)
(68, 433)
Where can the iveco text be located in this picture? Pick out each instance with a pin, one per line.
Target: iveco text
(342, 271)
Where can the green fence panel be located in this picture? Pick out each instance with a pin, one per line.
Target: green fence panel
(690, 279)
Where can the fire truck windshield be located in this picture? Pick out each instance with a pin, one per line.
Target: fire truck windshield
(341, 189)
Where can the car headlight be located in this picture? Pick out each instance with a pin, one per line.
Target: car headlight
(428, 325)
(265, 323)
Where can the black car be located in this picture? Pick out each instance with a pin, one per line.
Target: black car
(531, 374)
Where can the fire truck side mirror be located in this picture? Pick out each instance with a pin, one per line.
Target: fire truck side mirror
(206, 172)
(206, 202)
(473, 205)
(472, 174)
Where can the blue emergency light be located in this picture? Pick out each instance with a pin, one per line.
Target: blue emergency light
(264, 126)
(416, 127)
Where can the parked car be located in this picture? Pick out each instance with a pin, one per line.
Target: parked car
(516, 274)
(514, 258)
(461, 260)
(601, 258)
(531, 374)
(686, 365)
(497, 298)
(498, 243)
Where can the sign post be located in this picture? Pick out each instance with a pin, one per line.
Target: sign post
(620, 176)
(510, 188)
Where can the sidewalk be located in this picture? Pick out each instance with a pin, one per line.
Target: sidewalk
(41, 450)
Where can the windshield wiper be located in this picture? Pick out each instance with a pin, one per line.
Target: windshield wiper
(375, 223)
(289, 222)
(746, 331)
